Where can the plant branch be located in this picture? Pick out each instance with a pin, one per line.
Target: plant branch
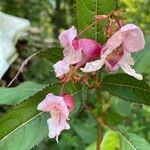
(88, 27)
(21, 68)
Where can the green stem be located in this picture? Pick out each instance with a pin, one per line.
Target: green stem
(98, 94)
(97, 89)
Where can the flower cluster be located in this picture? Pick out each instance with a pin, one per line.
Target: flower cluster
(76, 51)
(81, 52)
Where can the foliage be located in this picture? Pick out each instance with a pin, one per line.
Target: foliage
(86, 10)
(28, 126)
(13, 96)
(138, 12)
(127, 88)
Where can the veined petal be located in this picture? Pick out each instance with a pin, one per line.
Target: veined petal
(134, 38)
(93, 66)
(67, 37)
(73, 56)
(112, 43)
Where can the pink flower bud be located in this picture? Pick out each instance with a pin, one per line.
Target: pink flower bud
(69, 101)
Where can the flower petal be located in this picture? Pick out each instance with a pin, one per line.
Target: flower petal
(125, 65)
(45, 105)
(113, 59)
(90, 50)
(56, 126)
(50, 102)
(113, 42)
(73, 56)
(130, 71)
(61, 67)
(93, 66)
(67, 37)
(134, 38)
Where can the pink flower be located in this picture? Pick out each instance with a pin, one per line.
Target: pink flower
(117, 51)
(59, 107)
(76, 51)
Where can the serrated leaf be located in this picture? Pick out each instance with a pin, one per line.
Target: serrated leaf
(53, 54)
(127, 88)
(134, 141)
(15, 95)
(86, 10)
(23, 122)
(21, 116)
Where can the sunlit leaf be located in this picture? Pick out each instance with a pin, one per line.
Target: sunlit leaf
(110, 141)
(133, 141)
(15, 95)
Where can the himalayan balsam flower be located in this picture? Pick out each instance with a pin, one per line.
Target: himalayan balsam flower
(117, 51)
(76, 51)
(59, 108)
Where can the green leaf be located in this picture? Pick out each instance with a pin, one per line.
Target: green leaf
(113, 118)
(15, 95)
(25, 126)
(134, 142)
(91, 146)
(86, 10)
(121, 107)
(53, 54)
(127, 88)
(17, 121)
(110, 141)
(82, 128)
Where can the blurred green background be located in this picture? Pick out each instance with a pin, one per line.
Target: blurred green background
(48, 18)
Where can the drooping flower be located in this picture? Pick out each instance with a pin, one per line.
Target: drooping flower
(76, 51)
(59, 108)
(116, 52)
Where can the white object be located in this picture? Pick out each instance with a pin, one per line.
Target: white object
(11, 28)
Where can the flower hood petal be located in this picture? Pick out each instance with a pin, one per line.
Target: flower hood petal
(67, 37)
(134, 38)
